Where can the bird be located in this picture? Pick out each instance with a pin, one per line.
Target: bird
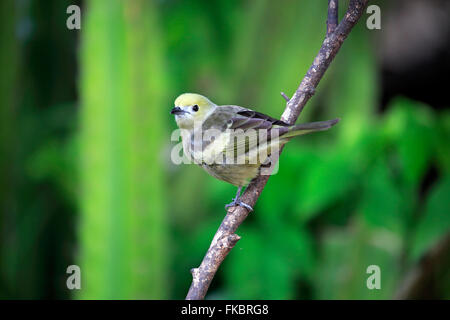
(230, 142)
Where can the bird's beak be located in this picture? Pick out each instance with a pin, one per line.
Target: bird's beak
(177, 110)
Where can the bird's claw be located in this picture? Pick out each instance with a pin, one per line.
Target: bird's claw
(238, 202)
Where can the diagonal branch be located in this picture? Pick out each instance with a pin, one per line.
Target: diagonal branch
(225, 239)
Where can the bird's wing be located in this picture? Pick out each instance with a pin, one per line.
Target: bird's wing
(239, 132)
(235, 117)
(253, 135)
(246, 136)
(250, 119)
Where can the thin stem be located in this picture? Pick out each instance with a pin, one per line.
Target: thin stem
(332, 21)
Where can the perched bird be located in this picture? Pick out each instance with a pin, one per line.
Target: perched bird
(230, 142)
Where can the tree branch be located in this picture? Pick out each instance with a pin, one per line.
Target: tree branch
(225, 239)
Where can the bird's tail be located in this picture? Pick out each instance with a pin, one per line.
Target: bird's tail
(306, 128)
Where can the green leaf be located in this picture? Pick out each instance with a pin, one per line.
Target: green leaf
(296, 245)
(435, 222)
(277, 199)
(410, 124)
(443, 145)
(381, 203)
(325, 181)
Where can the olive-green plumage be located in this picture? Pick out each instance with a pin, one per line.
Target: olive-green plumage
(228, 141)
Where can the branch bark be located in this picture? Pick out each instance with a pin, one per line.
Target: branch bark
(224, 240)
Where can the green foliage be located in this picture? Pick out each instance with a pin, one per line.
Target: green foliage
(266, 263)
(410, 126)
(433, 223)
(324, 181)
(346, 254)
(442, 145)
(387, 213)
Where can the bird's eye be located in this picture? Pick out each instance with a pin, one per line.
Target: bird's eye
(195, 108)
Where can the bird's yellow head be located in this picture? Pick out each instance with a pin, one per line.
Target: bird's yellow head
(191, 108)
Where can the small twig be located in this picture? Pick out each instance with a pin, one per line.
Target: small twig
(203, 275)
(285, 96)
(332, 21)
(422, 274)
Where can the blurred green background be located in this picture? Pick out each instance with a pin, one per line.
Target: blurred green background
(85, 149)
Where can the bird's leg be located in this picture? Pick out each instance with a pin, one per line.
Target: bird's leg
(237, 201)
(238, 193)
